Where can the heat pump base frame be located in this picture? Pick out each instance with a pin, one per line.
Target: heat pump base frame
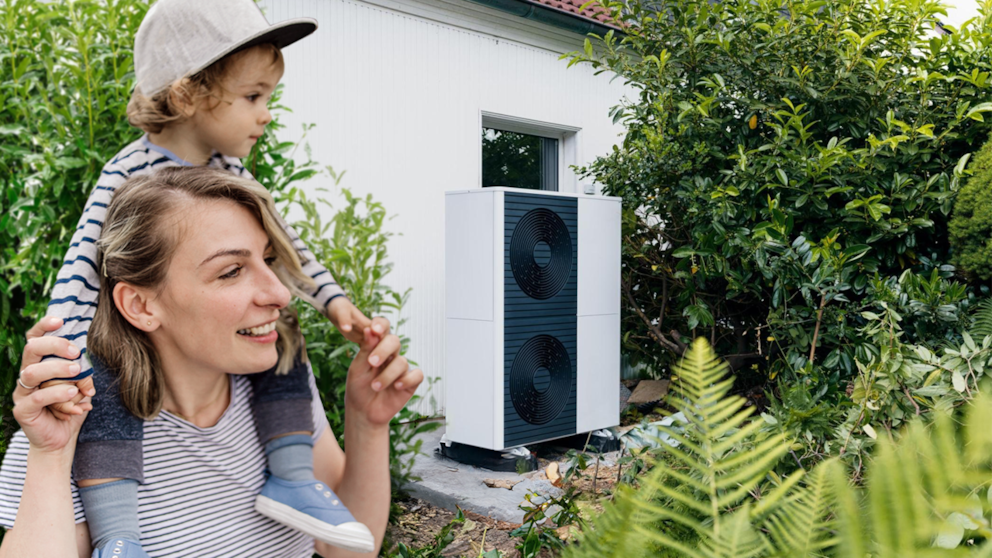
(488, 459)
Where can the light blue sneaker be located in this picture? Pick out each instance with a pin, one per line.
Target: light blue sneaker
(120, 548)
(311, 507)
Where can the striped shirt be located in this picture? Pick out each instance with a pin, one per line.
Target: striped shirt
(200, 486)
(74, 297)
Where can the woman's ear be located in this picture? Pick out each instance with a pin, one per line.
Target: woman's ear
(134, 304)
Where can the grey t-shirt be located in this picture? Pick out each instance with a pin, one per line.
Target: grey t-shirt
(200, 486)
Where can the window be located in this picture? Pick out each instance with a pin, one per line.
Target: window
(525, 153)
(519, 160)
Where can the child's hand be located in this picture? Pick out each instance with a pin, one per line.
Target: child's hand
(351, 322)
(64, 410)
(380, 381)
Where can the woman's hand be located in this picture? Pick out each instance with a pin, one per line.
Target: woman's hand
(351, 322)
(380, 381)
(44, 430)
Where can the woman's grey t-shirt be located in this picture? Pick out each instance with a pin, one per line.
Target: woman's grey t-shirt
(200, 486)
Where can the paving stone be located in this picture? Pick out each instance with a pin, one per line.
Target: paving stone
(447, 484)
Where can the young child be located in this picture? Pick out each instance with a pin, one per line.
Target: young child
(204, 71)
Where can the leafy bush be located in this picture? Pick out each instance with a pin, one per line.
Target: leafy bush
(784, 164)
(65, 79)
(924, 495)
(971, 225)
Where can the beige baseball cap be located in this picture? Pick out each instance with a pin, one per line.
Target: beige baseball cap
(178, 38)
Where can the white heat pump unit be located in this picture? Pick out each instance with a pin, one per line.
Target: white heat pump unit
(532, 315)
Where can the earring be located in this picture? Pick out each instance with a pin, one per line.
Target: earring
(149, 323)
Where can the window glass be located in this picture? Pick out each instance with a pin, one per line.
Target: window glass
(519, 160)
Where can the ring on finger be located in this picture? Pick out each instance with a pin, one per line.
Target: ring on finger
(29, 388)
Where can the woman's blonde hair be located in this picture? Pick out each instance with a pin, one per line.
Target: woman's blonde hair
(154, 113)
(140, 236)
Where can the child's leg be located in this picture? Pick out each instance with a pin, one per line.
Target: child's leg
(282, 407)
(108, 464)
(292, 496)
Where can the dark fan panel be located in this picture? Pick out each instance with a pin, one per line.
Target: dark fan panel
(541, 253)
(540, 305)
(540, 379)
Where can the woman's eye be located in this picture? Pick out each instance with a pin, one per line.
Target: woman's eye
(232, 274)
(253, 97)
(270, 260)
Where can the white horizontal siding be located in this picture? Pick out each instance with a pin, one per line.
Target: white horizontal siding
(396, 91)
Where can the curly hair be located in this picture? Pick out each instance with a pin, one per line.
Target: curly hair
(155, 113)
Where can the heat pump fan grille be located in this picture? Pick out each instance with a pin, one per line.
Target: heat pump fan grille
(541, 234)
(541, 379)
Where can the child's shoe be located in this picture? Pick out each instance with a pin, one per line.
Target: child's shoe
(312, 507)
(120, 548)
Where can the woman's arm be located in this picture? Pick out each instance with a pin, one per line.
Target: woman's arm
(45, 524)
(373, 396)
(361, 480)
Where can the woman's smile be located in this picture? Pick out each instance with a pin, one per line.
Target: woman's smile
(265, 333)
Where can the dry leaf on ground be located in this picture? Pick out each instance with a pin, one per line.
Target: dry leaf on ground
(553, 475)
(500, 483)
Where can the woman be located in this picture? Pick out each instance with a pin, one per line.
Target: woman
(200, 276)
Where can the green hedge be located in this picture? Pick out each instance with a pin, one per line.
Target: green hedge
(65, 79)
(971, 225)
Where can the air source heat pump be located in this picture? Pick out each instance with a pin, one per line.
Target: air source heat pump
(532, 315)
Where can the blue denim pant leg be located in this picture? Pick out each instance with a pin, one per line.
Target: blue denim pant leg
(109, 444)
(282, 403)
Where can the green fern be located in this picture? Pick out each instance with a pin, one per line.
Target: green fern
(926, 495)
(705, 486)
(981, 325)
(801, 525)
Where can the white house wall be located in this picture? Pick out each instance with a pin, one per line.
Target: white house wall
(397, 89)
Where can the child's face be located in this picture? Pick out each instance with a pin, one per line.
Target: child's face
(234, 124)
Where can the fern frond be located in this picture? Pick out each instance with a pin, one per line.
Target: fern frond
(669, 513)
(662, 539)
(611, 533)
(850, 528)
(802, 526)
(737, 539)
(979, 433)
(716, 445)
(770, 502)
(687, 500)
(981, 325)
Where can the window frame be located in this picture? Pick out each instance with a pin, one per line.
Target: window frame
(567, 136)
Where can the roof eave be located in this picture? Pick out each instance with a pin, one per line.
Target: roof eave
(550, 16)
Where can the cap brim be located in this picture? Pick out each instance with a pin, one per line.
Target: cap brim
(281, 34)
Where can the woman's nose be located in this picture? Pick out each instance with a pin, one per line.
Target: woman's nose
(272, 292)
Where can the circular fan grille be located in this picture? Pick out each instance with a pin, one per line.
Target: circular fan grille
(540, 379)
(541, 275)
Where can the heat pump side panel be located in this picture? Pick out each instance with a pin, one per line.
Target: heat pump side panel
(469, 399)
(496, 420)
(599, 256)
(468, 256)
(598, 372)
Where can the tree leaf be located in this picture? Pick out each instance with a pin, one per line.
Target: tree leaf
(957, 380)
(870, 431)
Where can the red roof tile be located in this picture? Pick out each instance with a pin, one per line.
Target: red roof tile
(594, 12)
